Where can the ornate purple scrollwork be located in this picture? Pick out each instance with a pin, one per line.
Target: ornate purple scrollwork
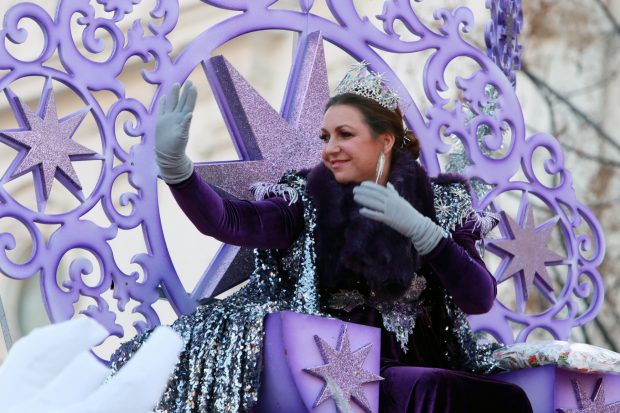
(493, 158)
(82, 75)
(502, 36)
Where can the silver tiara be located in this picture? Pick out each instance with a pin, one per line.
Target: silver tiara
(363, 82)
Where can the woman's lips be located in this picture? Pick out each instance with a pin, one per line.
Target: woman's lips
(338, 164)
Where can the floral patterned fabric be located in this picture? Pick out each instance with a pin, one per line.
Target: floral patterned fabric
(579, 357)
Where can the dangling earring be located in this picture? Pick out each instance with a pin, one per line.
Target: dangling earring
(380, 165)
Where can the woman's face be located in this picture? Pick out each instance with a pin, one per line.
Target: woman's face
(349, 149)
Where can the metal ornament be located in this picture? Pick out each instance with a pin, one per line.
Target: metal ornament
(363, 82)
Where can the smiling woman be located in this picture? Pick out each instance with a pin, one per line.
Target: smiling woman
(352, 151)
(345, 246)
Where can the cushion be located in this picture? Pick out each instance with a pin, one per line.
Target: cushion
(579, 357)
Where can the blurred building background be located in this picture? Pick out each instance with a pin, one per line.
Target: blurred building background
(569, 87)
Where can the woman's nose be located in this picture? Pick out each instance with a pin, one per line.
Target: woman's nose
(331, 146)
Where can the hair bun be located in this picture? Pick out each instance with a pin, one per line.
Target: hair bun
(411, 143)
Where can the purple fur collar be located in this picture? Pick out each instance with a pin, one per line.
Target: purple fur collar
(352, 249)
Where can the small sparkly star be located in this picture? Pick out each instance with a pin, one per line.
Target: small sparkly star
(527, 246)
(441, 207)
(343, 373)
(595, 404)
(47, 141)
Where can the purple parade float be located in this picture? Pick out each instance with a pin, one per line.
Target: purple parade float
(489, 146)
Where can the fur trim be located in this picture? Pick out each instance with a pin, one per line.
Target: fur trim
(350, 245)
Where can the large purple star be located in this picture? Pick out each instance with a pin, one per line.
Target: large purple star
(595, 404)
(343, 373)
(268, 143)
(529, 254)
(47, 141)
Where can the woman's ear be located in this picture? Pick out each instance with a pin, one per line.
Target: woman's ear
(388, 142)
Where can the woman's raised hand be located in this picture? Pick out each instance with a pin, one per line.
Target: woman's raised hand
(384, 204)
(174, 116)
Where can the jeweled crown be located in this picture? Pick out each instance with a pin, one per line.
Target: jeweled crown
(361, 81)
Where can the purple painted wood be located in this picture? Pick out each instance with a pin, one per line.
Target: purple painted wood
(550, 388)
(493, 158)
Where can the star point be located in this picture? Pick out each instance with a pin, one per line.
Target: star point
(269, 143)
(343, 373)
(47, 143)
(529, 255)
(594, 404)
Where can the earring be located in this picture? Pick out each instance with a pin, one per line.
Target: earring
(380, 165)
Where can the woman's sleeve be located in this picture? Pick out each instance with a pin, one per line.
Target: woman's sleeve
(461, 270)
(271, 223)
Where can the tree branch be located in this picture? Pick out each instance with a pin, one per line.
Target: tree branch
(596, 158)
(605, 334)
(579, 113)
(598, 83)
(609, 16)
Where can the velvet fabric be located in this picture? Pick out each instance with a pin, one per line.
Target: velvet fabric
(355, 253)
(350, 245)
(425, 390)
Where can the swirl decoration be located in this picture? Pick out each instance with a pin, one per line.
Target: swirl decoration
(503, 152)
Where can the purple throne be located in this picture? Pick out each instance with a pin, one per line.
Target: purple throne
(481, 134)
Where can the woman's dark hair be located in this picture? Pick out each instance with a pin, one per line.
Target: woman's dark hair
(380, 120)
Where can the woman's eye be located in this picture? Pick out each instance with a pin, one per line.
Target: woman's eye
(346, 134)
(324, 137)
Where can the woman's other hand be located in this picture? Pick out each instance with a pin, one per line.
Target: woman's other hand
(174, 116)
(385, 205)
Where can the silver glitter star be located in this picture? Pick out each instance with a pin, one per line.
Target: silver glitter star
(527, 246)
(343, 373)
(48, 142)
(595, 404)
(269, 143)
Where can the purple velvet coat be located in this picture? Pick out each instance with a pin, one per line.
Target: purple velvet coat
(355, 253)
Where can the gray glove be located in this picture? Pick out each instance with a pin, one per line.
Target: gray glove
(174, 116)
(386, 205)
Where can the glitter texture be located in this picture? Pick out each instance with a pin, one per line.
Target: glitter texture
(453, 206)
(361, 81)
(219, 370)
(343, 373)
(253, 124)
(596, 404)
(48, 142)
(502, 36)
(528, 250)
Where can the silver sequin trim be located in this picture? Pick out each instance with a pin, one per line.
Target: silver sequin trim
(220, 367)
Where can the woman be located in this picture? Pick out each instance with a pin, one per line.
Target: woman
(366, 237)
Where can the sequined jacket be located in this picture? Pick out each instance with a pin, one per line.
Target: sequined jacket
(219, 369)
